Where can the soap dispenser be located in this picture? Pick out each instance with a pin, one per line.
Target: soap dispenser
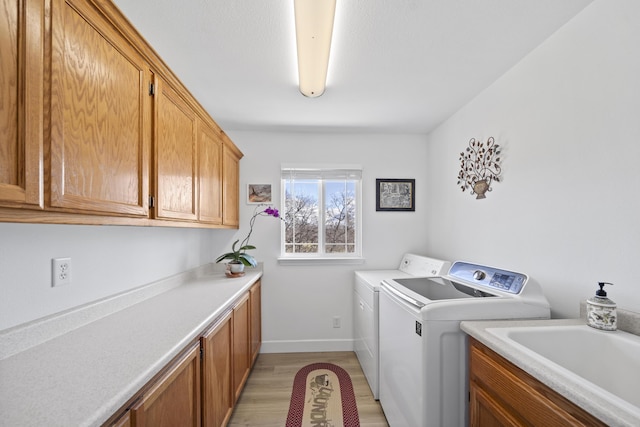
(601, 311)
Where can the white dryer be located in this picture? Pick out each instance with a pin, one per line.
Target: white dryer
(365, 308)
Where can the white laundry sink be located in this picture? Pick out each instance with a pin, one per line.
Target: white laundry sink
(606, 363)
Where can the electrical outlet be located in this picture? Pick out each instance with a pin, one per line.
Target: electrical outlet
(336, 321)
(60, 271)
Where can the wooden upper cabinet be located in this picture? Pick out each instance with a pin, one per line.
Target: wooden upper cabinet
(210, 173)
(21, 103)
(176, 158)
(231, 188)
(100, 119)
(86, 138)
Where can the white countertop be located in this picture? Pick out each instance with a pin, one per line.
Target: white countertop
(84, 376)
(577, 394)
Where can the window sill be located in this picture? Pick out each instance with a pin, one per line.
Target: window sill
(320, 261)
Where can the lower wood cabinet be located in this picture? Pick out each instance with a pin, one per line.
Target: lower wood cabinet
(255, 303)
(217, 393)
(174, 400)
(241, 348)
(201, 387)
(501, 394)
(124, 420)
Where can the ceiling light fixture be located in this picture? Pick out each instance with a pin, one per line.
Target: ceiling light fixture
(314, 25)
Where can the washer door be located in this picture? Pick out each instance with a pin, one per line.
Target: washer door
(438, 288)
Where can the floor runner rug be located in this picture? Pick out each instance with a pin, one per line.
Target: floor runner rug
(322, 396)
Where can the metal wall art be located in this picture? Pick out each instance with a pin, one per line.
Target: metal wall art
(479, 167)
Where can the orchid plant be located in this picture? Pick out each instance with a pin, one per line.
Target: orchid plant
(240, 255)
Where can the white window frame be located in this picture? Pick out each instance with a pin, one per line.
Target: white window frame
(330, 170)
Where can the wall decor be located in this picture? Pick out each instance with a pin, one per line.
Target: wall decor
(395, 195)
(258, 193)
(479, 167)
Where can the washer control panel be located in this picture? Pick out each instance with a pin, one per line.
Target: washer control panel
(489, 277)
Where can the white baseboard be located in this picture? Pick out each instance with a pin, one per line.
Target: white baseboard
(306, 346)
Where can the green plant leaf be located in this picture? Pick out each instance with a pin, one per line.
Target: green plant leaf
(248, 260)
(228, 255)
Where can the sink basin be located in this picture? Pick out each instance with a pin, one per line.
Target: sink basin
(606, 364)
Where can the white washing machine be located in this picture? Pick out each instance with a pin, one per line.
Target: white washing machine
(365, 308)
(423, 352)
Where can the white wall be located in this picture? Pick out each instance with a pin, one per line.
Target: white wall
(300, 301)
(568, 117)
(105, 261)
(568, 211)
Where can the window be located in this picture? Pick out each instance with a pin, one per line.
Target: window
(321, 212)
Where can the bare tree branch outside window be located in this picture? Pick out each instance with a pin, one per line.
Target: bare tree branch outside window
(340, 222)
(320, 216)
(301, 216)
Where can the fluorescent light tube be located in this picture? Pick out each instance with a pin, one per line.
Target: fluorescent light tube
(314, 26)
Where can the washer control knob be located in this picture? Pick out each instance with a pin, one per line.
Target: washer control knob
(479, 275)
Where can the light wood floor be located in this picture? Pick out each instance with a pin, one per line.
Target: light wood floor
(266, 396)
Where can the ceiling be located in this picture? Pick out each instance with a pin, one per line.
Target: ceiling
(397, 66)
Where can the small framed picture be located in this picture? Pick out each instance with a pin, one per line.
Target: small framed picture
(258, 193)
(396, 195)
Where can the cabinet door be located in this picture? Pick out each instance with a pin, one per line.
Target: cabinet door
(231, 191)
(256, 319)
(210, 174)
(504, 395)
(100, 115)
(241, 350)
(21, 103)
(217, 393)
(174, 400)
(175, 155)
(484, 411)
(123, 421)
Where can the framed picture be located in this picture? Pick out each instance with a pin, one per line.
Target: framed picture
(396, 195)
(258, 193)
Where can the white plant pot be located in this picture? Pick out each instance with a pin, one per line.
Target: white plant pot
(236, 268)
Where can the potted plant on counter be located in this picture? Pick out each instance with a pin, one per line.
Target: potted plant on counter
(239, 258)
